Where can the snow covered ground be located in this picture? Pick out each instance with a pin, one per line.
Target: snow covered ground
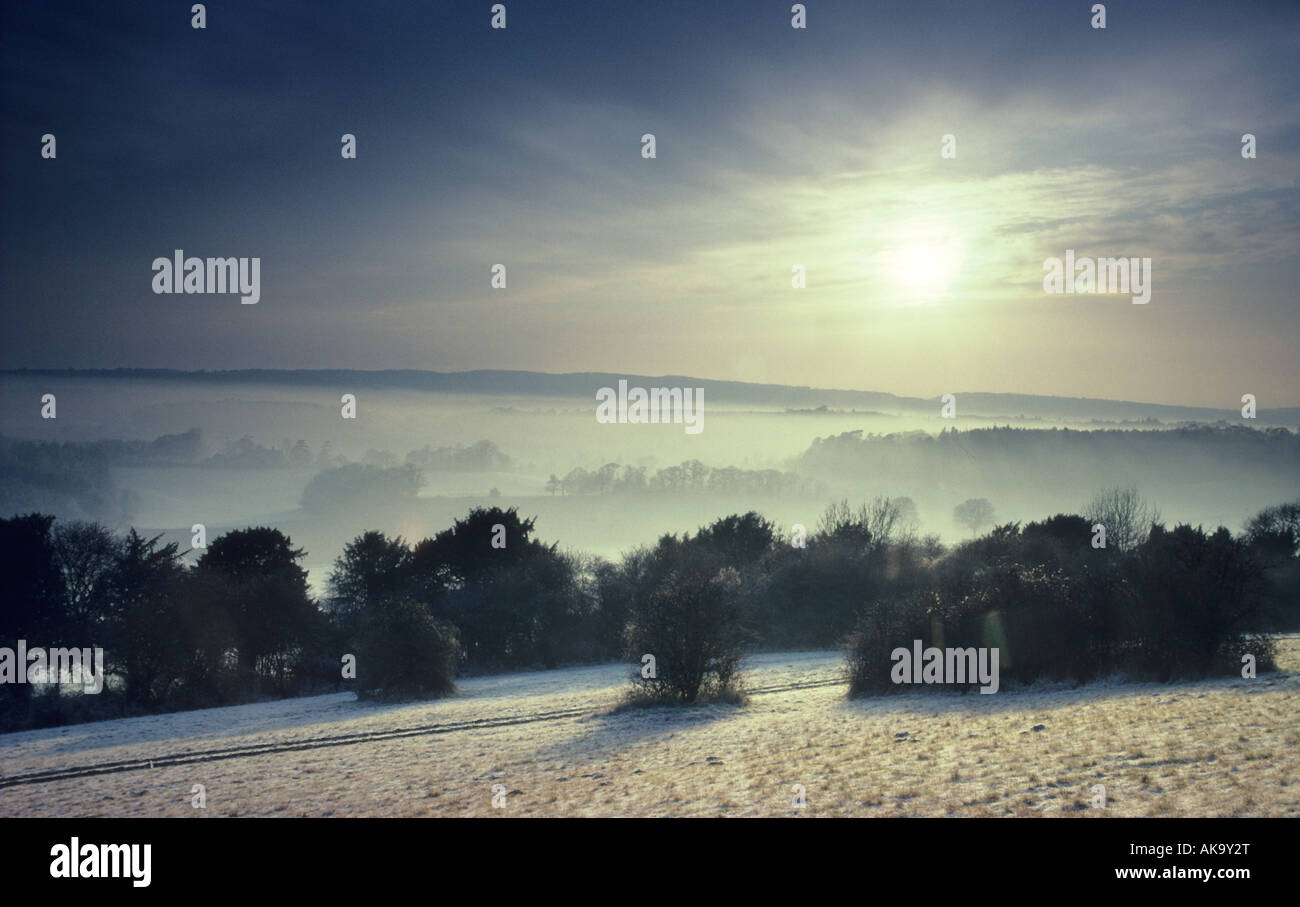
(1218, 747)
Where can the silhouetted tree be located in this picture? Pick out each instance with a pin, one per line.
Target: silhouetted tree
(33, 606)
(693, 626)
(1127, 516)
(737, 540)
(263, 591)
(86, 553)
(1273, 537)
(146, 642)
(1275, 531)
(512, 605)
(372, 571)
(402, 652)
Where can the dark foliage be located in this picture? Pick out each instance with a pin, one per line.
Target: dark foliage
(485, 594)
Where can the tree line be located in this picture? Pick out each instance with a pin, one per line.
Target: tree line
(690, 476)
(238, 622)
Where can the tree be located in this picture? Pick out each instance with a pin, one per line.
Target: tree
(86, 553)
(1276, 530)
(372, 571)
(1127, 516)
(146, 642)
(909, 520)
(263, 592)
(881, 627)
(512, 605)
(974, 513)
(33, 585)
(357, 485)
(1273, 538)
(402, 652)
(876, 524)
(738, 540)
(1062, 540)
(693, 627)
(1198, 597)
(633, 479)
(605, 476)
(842, 526)
(576, 481)
(465, 552)
(34, 598)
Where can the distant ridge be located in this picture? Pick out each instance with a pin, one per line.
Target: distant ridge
(582, 386)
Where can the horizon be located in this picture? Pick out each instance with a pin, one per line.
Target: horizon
(217, 374)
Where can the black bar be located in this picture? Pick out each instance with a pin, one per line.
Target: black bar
(656, 858)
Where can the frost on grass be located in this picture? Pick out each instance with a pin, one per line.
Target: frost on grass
(1218, 747)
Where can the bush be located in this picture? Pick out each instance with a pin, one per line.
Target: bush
(1181, 604)
(1198, 594)
(693, 625)
(1261, 645)
(404, 653)
(882, 627)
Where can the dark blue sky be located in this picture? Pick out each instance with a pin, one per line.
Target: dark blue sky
(775, 147)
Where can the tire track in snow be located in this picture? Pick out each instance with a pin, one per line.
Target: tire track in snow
(145, 763)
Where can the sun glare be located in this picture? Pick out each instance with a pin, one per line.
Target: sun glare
(923, 268)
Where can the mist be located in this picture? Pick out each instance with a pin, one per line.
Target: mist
(163, 454)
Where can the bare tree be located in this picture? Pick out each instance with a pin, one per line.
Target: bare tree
(85, 553)
(1127, 516)
(881, 522)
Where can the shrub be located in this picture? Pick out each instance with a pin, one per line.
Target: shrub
(883, 626)
(404, 653)
(693, 625)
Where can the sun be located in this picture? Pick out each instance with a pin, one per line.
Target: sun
(923, 266)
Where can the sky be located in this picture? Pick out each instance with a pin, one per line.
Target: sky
(774, 147)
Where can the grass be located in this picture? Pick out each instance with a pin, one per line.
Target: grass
(1219, 747)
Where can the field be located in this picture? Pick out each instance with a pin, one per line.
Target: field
(555, 744)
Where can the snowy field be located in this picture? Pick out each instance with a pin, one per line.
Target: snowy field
(1224, 747)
